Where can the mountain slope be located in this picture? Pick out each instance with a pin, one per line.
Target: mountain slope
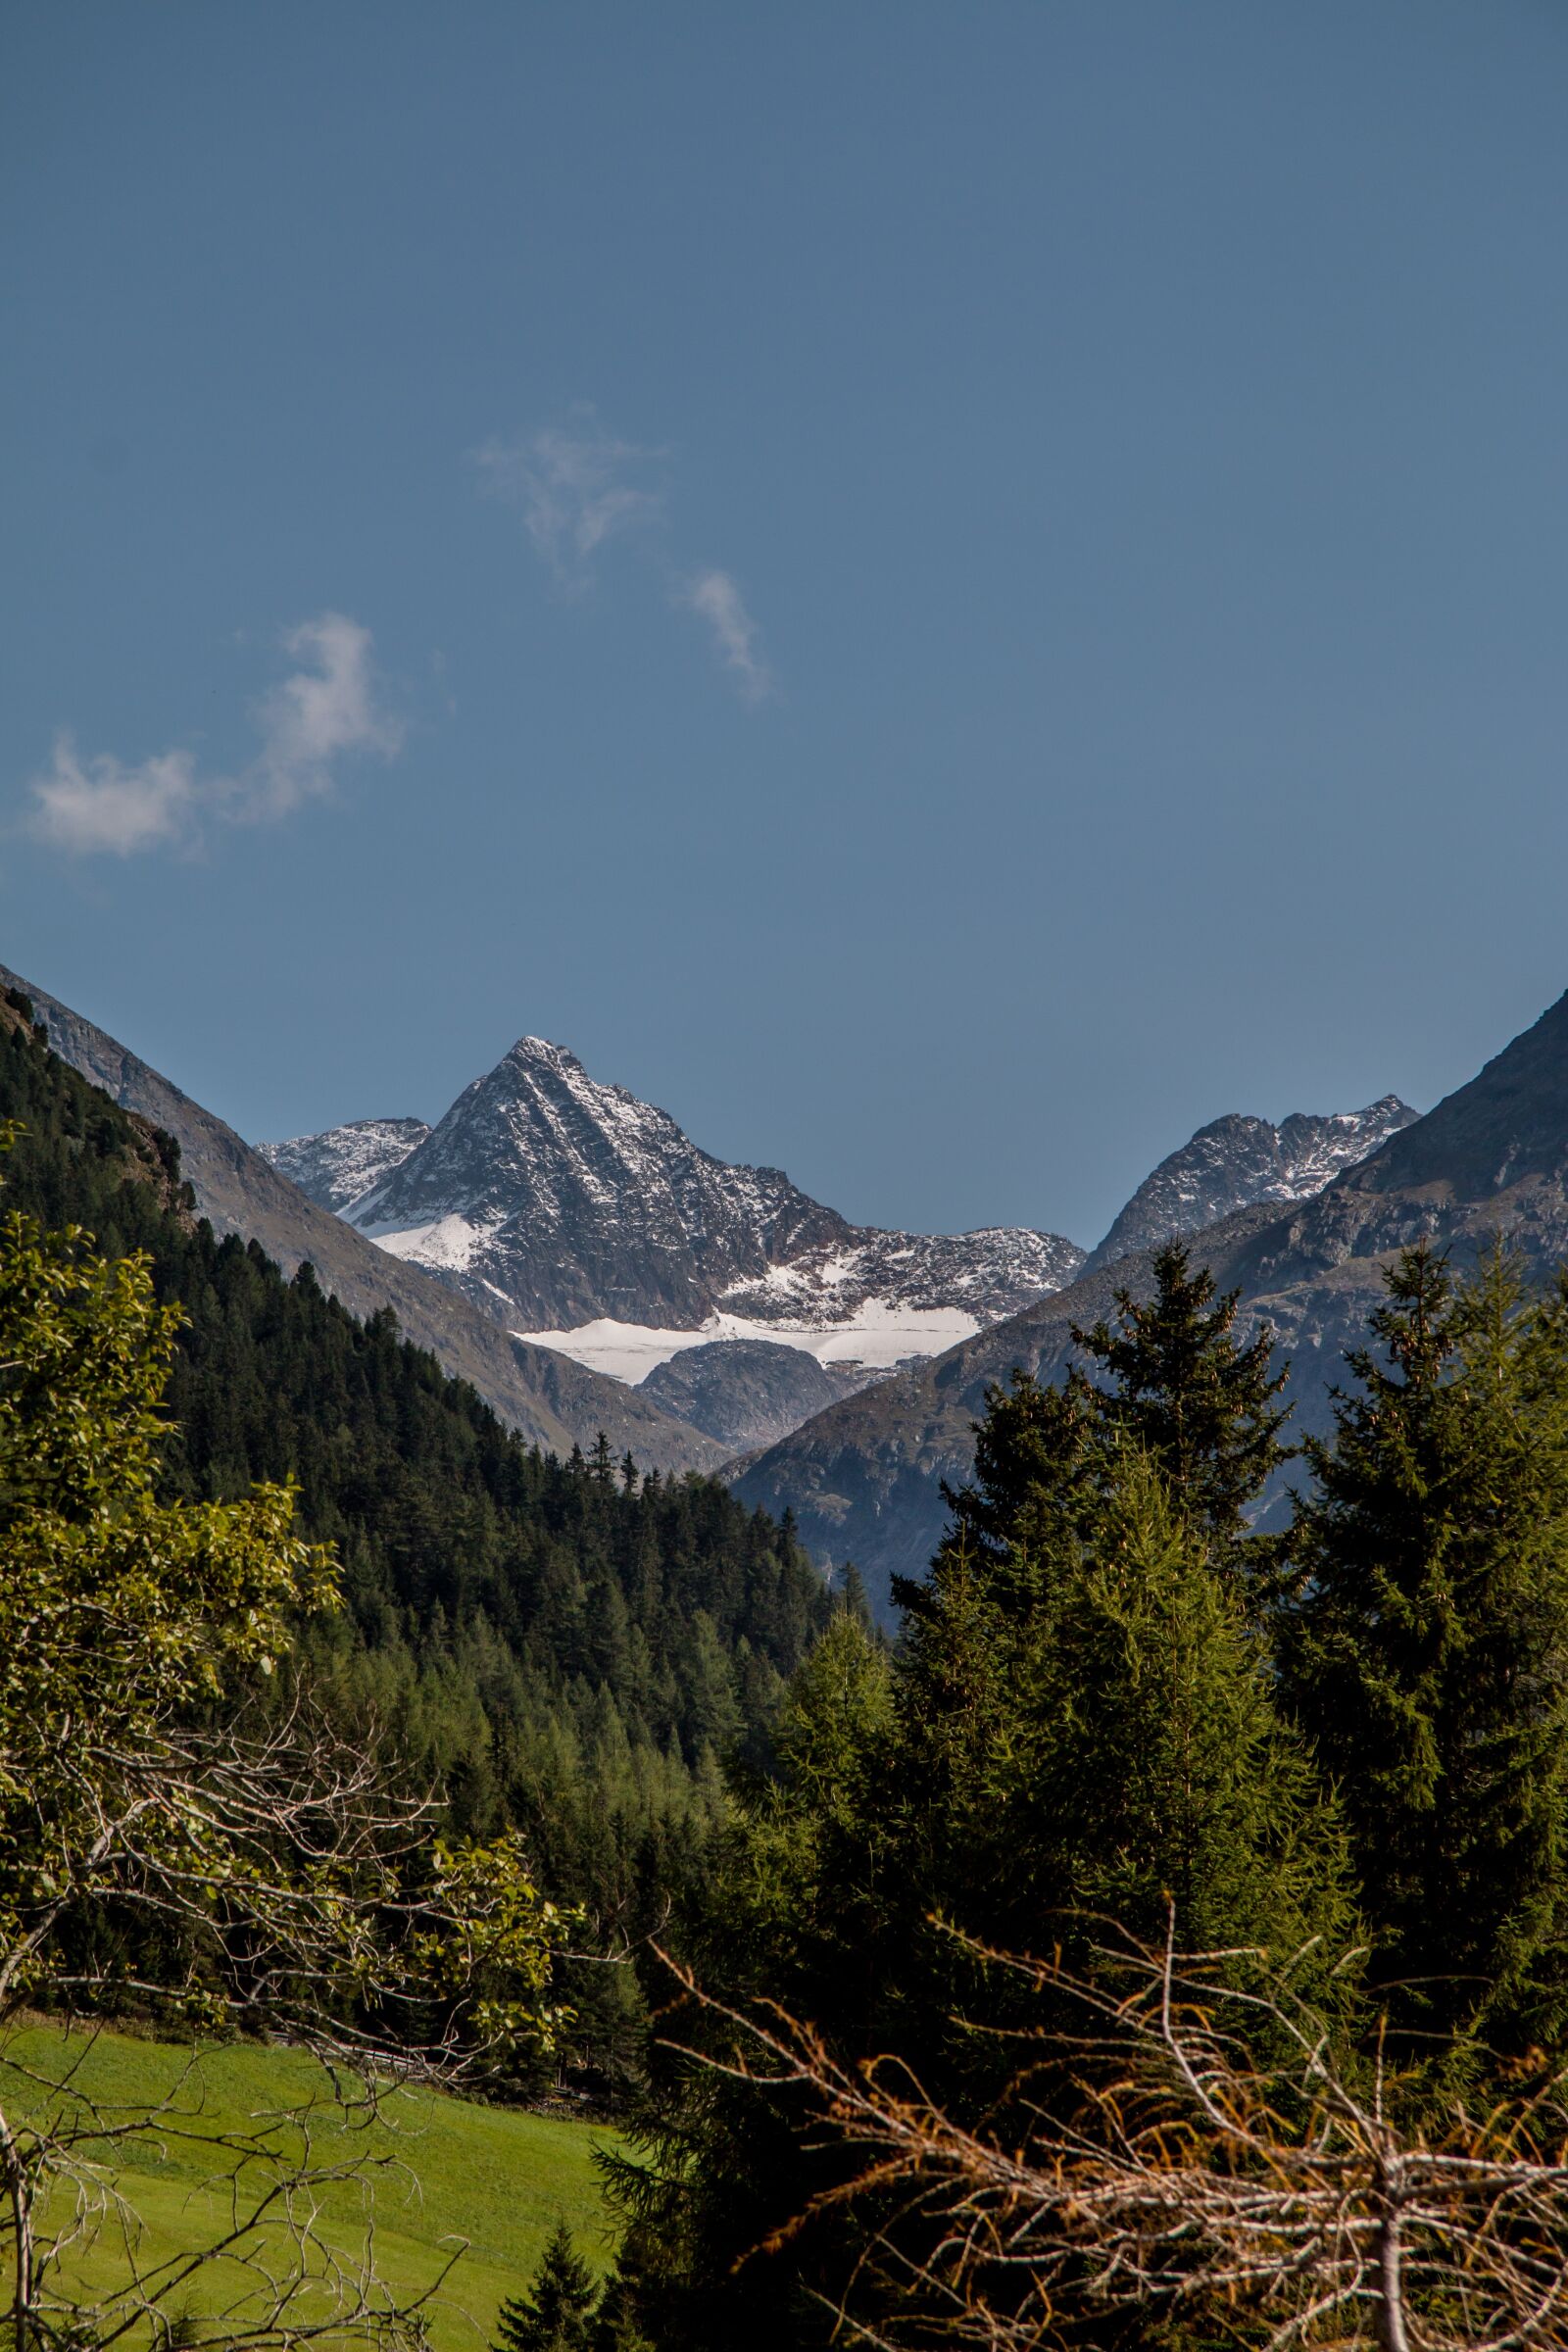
(1238, 1160)
(553, 1645)
(863, 1477)
(552, 1202)
(748, 1392)
(547, 1397)
(1489, 1160)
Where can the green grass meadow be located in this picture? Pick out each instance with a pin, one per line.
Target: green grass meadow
(498, 2177)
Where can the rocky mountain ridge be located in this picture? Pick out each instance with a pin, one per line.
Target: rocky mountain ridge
(335, 1169)
(551, 1201)
(749, 1393)
(1238, 1160)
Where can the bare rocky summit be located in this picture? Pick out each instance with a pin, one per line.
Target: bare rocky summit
(748, 1392)
(1238, 1160)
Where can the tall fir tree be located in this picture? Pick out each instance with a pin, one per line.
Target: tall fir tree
(1035, 1470)
(1204, 1408)
(1166, 1775)
(1426, 1652)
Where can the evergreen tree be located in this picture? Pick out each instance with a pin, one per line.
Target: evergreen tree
(1085, 1726)
(1035, 1472)
(555, 2315)
(1113, 1743)
(1202, 1408)
(1166, 1775)
(1175, 1384)
(1426, 1652)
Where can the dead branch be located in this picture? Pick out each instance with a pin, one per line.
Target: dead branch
(1198, 2143)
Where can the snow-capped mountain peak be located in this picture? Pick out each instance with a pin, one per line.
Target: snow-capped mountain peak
(558, 1202)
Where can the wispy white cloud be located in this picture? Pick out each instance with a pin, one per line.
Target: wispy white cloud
(714, 597)
(576, 491)
(577, 488)
(325, 709)
(101, 805)
(315, 715)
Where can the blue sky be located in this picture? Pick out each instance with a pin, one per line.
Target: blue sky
(947, 592)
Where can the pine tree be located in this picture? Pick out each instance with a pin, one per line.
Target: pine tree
(1176, 1384)
(1034, 1473)
(555, 2315)
(1091, 1725)
(1200, 1405)
(1426, 1654)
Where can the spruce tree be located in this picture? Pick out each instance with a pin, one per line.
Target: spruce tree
(1426, 1652)
(555, 2316)
(1035, 1469)
(1173, 1381)
(1084, 1729)
(1202, 1407)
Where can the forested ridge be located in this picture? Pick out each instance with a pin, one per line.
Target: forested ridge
(574, 1648)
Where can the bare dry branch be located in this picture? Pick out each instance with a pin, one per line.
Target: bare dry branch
(1199, 2144)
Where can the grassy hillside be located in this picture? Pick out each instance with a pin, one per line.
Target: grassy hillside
(498, 2178)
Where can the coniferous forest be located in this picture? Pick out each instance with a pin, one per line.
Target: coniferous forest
(1164, 1942)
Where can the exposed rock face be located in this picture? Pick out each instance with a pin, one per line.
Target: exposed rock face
(1492, 1159)
(548, 1397)
(748, 1392)
(985, 1274)
(551, 1201)
(1236, 1161)
(333, 1169)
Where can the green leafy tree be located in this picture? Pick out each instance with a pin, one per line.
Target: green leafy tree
(555, 2315)
(1426, 1652)
(222, 1867)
